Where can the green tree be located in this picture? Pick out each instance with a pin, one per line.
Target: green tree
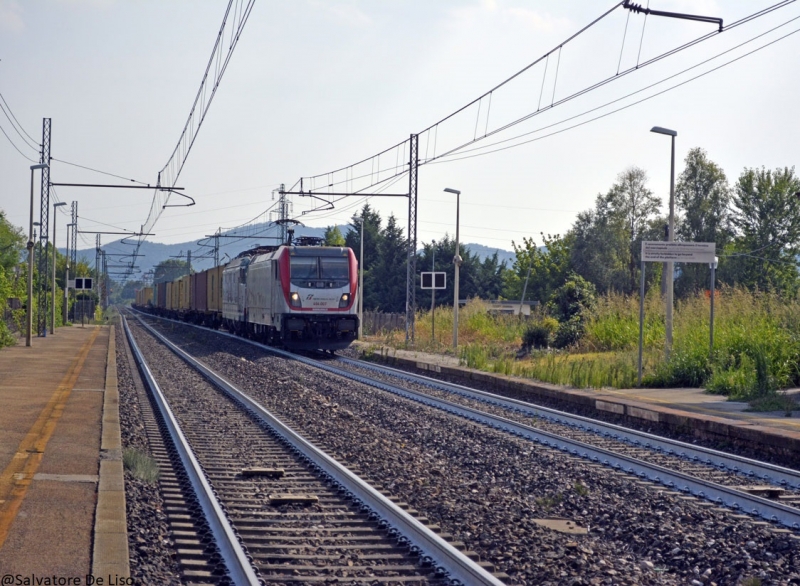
(169, 270)
(388, 277)
(372, 238)
(12, 243)
(703, 196)
(766, 220)
(607, 240)
(333, 236)
(12, 271)
(549, 266)
(477, 279)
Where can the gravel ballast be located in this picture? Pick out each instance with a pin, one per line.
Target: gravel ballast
(486, 488)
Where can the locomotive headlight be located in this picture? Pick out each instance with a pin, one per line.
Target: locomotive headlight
(344, 300)
(294, 299)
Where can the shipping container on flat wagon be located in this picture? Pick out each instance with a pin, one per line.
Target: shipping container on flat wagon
(160, 296)
(144, 297)
(214, 289)
(172, 297)
(199, 293)
(185, 294)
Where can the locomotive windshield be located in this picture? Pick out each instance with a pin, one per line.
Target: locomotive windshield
(320, 271)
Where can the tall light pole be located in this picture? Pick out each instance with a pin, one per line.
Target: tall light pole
(361, 283)
(670, 236)
(66, 276)
(55, 252)
(457, 263)
(433, 294)
(29, 316)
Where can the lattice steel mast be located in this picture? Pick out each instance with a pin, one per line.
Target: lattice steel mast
(44, 231)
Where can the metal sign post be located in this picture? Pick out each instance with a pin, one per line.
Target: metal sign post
(713, 267)
(433, 281)
(693, 252)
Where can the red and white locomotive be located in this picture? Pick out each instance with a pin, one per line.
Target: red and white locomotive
(297, 295)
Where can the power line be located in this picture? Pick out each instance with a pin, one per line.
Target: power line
(434, 128)
(15, 146)
(170, 172)
(7, 107)
(613, 111)
(99, 171)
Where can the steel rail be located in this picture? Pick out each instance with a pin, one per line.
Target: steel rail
(720, 495)
(433, 549)
(231, 551)
(767, 472)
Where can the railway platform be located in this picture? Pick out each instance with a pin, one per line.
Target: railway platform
(62, 499)
(689, 411)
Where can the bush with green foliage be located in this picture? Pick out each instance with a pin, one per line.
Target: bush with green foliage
(538, 334)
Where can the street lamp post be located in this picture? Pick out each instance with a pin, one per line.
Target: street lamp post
(29, 316)
(361, 284)
(66, 276)
(55, 249)
(433, 294)
(670, 236)
(457, 263)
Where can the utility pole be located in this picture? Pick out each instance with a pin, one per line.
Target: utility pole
(216, 247)
(411, 260)
(44, 237)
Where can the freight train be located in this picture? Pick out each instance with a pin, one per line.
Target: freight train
(298, 296)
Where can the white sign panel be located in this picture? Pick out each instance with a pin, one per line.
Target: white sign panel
(434, 280)
(701, 252)
(81, 283)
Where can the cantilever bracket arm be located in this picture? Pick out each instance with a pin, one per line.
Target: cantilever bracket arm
(638, 8)
(178, 205)
(325, 201)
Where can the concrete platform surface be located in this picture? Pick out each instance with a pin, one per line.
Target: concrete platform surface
(51, 411)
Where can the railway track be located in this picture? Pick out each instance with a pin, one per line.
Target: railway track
(537, 513)
(763, 490)
(278, 510)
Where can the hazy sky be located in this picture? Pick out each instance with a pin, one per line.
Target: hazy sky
(315, 85)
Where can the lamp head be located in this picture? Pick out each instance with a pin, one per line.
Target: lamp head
(456, 191)
(667, 131)
(37, 224)
(59, 204)
(40, 166)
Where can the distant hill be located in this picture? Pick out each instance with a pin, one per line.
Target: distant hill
(483, 252)
(154, 253)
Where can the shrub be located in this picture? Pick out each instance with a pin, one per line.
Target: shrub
(569, 332)
(576, 297)
(537, 335)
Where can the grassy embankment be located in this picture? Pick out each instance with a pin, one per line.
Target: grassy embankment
(756, 345)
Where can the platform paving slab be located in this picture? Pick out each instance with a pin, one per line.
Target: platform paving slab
(51, 406)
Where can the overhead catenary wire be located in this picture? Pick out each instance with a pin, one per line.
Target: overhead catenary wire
(171, 171)
(16, 147)
(449, 152)
(17, 126)
(460, 158)
(99, 171)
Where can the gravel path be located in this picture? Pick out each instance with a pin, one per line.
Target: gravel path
(486, 488)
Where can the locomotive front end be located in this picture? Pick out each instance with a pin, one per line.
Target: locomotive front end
(320, 294)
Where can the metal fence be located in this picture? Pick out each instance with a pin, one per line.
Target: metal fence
(376, 322)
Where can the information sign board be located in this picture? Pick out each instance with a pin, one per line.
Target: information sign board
(81, 284)
(700, 252)
(434, 280)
